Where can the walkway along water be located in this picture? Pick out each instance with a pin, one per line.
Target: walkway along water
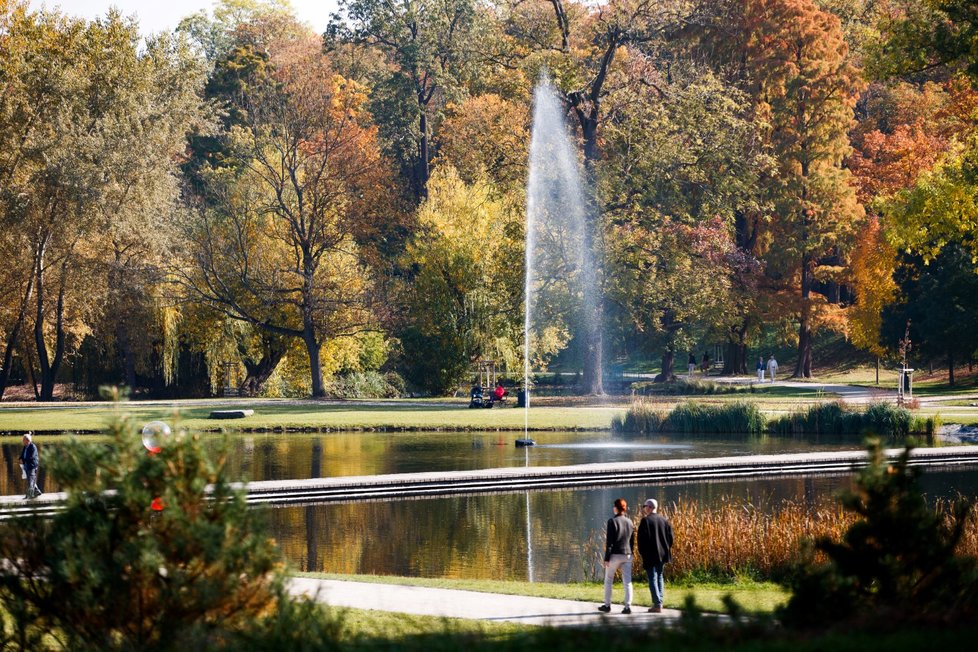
(518, 479)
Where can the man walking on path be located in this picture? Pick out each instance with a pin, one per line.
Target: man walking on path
(772, 367)
(655, 546)
(30, 460)
(619, 546)
(760, 369)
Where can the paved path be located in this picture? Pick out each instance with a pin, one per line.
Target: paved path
(849, 393)
(472, 605)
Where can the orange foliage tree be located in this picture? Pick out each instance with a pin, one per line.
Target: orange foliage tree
(806, 88)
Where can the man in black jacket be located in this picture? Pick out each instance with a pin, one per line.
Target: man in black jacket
(30, 460)
(655, 546)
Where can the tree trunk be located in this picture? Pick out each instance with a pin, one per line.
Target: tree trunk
(668, 363)
(49, 366)
(950, 369)
(803, 368)
(315, 366)
(126, 355)
(735, 359)
(259, 372)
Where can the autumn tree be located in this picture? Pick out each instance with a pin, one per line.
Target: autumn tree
(806, 90)
(100, 120)
(681, 165)
(581, 46)
(466, 291)
(276, 245)
(429, 47)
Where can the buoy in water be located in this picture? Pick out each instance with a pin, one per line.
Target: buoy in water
(522, 443)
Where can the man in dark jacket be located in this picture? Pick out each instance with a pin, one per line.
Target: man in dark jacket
(30, 460)
(655, 546)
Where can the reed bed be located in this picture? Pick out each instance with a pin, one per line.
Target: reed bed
(736, 539)
(692, 418)
(837, 418)
(745, 418)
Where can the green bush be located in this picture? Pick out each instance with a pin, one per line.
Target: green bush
(110, 572)
(896, 564)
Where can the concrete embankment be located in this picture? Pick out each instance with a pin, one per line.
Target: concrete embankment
(420, 485)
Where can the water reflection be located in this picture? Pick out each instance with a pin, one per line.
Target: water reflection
(540, 535)
(292, 456)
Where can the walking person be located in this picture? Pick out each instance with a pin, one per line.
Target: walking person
(760, 369)
(655, 546)
(691, 365)
(30, 460)
(618, 550)
(772, 367)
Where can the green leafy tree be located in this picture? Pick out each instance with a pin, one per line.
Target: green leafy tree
(429, 46)
(940, 299)
(465, 297)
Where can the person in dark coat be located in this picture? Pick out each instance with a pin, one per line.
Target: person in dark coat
(30, 460)
(618, 551)
(655, 546)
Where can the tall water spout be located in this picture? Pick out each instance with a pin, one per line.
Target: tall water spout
(560, 275)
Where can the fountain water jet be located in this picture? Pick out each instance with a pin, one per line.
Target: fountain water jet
(561, 277)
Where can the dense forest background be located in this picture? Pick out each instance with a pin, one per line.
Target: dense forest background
(246, 202)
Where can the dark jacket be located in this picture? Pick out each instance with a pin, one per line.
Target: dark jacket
(621, 539)
(655, 540)
(29, 457)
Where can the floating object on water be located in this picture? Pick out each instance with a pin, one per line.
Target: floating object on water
(154, 434)
(524, 442)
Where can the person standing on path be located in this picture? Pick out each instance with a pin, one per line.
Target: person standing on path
(760, 369)
(655, 546)
(691, 365)
(772, 367)
(618, 550)
(30, 460)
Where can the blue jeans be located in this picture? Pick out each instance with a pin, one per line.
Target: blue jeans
(656, 583)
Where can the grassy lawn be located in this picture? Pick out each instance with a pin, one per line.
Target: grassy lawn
(755, 597)
(285, 415)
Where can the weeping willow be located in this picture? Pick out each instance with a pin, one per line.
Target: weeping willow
(169, 318)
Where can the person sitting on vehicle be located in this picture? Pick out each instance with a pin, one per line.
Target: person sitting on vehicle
(476, 396)
(499, 394)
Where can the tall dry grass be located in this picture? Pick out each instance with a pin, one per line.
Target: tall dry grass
(734, 539)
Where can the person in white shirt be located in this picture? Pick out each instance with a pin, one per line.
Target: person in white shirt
(772, 367)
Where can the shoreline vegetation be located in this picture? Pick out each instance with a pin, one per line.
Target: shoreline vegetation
(743, 418)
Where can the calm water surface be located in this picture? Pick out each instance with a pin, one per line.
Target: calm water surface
(293, 456)
(538, 535)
